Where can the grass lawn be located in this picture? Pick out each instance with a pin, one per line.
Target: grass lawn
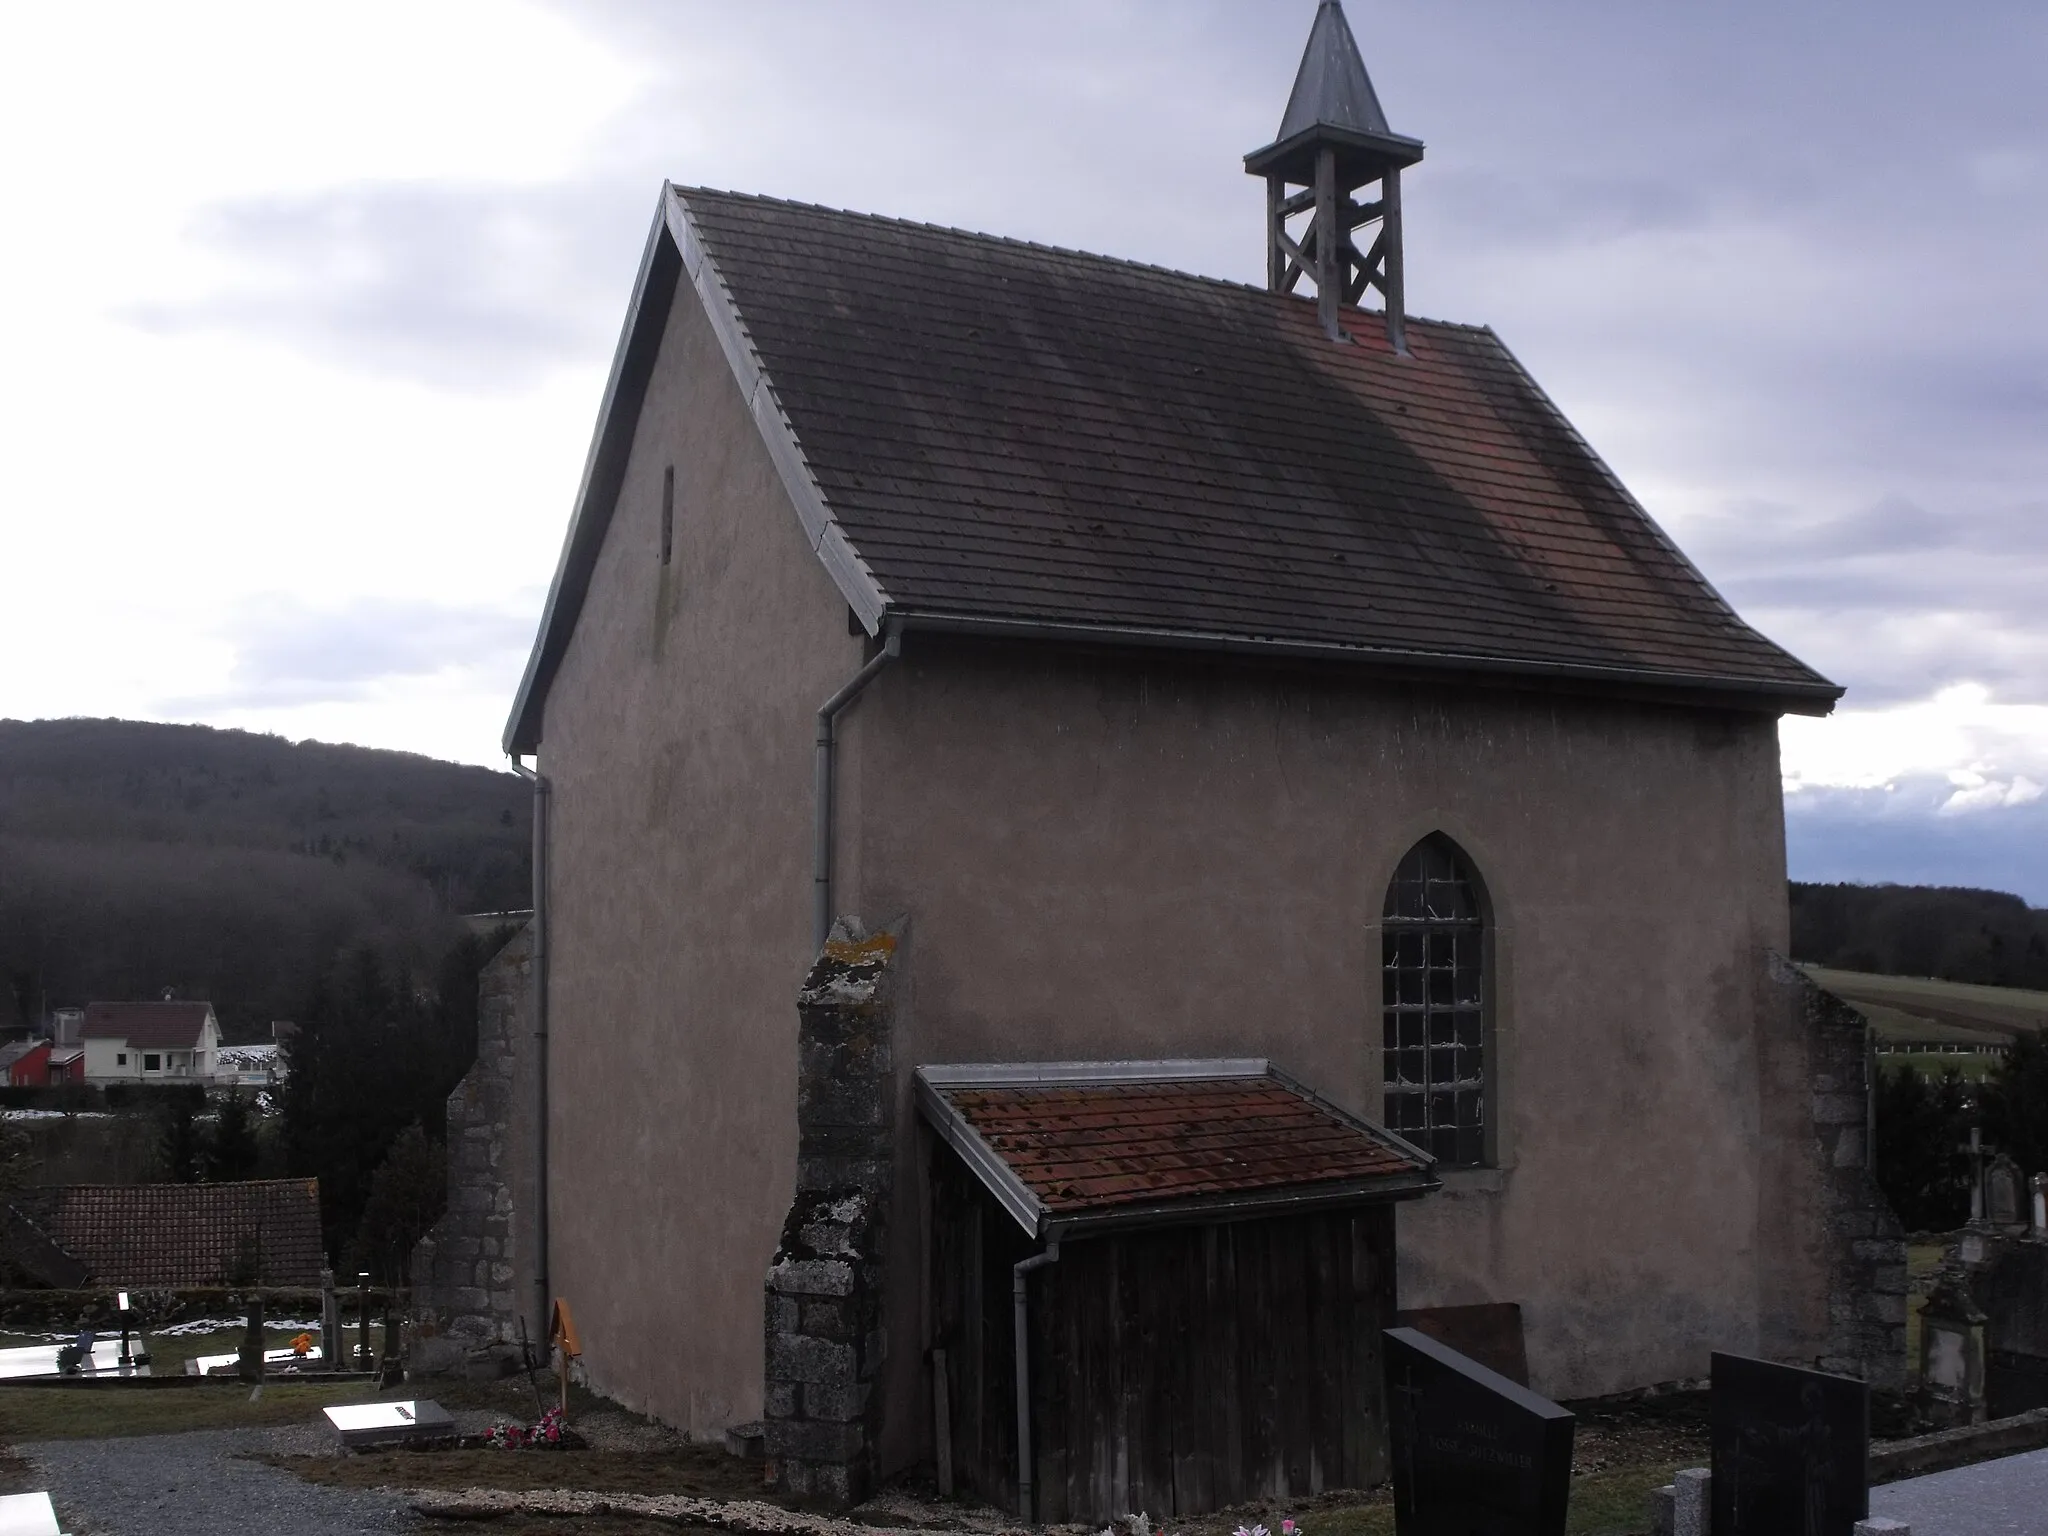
(699, 1470)
(1932, 1065)
(95, 1412)
(1607, 1503)
(90, 1412)
(1966, 1008)
(168, 1352)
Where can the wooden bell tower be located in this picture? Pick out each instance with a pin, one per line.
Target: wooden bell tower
(1337, 164)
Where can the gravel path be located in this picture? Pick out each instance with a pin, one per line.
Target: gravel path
(197, 1484)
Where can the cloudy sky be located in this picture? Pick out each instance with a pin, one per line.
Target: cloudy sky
(308, 309)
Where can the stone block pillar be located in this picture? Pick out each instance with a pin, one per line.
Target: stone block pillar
(825, 1339)
(471, 1275)
(1861, 1247)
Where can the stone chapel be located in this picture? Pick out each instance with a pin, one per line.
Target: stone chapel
(1105, 830)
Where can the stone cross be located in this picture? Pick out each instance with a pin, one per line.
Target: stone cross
(1976, 1151)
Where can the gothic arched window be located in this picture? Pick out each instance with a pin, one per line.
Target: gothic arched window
(1433, 937)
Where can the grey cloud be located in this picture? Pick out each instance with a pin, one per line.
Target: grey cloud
(1796, 248)
(289, 653)
(1900, 835)
(461, 286)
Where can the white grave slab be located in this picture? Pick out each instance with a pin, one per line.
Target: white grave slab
(28, 1514)
(274, 1361)
(41, 1360)
(361, 1424)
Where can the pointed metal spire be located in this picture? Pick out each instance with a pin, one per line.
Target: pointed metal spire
(1332, 88)
(1333, 142)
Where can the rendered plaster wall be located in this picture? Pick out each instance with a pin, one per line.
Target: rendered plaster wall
(678, 739)
(1121, 858)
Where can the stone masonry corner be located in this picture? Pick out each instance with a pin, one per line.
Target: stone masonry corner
(824, 1334)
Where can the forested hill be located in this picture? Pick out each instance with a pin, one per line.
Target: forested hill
(234, 867)
(1951, 933)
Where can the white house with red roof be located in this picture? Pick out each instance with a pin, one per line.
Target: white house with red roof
(150, 1042)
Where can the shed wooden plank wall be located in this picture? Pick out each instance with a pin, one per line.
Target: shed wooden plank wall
(1176, 1370)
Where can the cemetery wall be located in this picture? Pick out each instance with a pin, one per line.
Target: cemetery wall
(1831, 1254)
(677, 739)
(473, 1274)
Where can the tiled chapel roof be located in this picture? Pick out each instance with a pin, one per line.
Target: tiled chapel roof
(983, 434)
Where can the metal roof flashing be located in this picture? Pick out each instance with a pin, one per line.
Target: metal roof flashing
(1411, 1176)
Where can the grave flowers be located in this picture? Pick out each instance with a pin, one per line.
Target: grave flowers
(506, 1437)
(302, 1345)
(552, 1430)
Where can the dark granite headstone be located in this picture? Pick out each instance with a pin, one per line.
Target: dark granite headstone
(1490, 1333)
(1791, 1450)
(1474, 1454)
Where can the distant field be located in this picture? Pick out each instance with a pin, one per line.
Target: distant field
(1916, 1009)
(1932, 1064)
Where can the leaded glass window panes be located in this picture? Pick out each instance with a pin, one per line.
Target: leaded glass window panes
(1433, 1000)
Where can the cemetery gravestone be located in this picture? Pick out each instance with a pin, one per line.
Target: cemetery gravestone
(368, 1424)
(1474, 1454)
(1791, 1450)
(28, 1514)
(2003, 1193)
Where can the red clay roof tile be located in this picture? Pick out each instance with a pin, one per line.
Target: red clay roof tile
(186, 1234)
(1089, 1146)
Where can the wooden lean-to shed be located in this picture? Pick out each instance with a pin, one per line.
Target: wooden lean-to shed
(1187, 1263)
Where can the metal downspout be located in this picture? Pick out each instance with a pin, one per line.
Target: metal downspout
(1020, 1302)
(542, 793)
(821, 811)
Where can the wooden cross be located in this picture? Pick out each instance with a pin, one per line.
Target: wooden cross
(562, 1335)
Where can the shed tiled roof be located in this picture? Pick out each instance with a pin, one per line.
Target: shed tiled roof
(148, 1026)
(983, 433)
(1086, 1142)
(185, 1234)
(1009, 431)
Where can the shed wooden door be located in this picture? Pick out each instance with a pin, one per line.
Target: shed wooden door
(1174, 1370)
(1184, 1369)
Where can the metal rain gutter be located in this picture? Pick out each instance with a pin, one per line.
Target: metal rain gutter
(543, 793)
(821, 810)
(1020, 1301)
(1817, 697)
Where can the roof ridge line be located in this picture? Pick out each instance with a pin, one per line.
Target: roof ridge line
(1044, 247)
